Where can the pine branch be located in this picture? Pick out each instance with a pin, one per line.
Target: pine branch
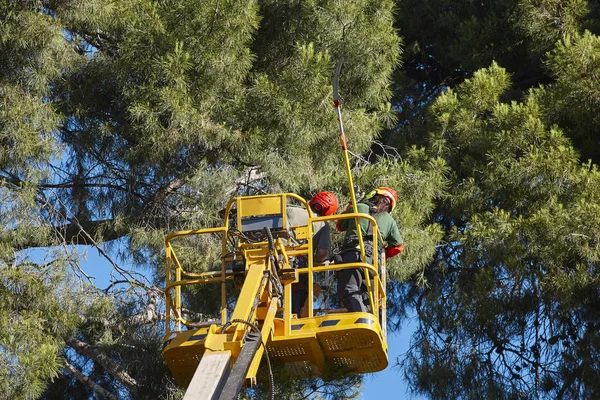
(164, 192)
(88, 382)
(126, 274)
(73, 231)
(109, 365)
(149, 314)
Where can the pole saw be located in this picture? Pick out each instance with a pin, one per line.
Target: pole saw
(337, 105)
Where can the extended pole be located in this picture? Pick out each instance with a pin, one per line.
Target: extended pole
(337, 105)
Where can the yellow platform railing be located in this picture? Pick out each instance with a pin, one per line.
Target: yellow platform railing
(177, 276)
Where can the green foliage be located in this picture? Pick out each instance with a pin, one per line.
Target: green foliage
(543, 23)
(21, 226)
(521, 222)
(34, 53)
(572, 103)
(37, 310)
(361, 31)
(130, 119)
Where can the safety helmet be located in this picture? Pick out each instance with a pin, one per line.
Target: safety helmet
(324, 203)
(385, 192)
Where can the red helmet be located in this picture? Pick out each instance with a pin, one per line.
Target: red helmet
(324, 203)
(385, 192)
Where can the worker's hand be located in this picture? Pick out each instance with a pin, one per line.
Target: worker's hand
(337, 259)
(316, 290)
(392, 251)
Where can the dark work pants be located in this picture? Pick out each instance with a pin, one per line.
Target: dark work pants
(351, 285)
(299, 294)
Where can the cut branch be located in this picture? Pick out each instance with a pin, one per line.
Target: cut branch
(149, 314)
(164, 192)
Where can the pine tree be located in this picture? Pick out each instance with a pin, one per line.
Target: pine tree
(122, 121)
(510, 308)
(505, 93)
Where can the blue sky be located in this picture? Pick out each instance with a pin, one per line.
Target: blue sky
(389, 383)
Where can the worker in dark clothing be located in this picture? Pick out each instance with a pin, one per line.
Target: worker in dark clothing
(322, 204)
(351, 282)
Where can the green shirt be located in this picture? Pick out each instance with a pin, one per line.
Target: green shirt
(386, 224)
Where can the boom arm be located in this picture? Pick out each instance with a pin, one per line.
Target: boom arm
(234, 340)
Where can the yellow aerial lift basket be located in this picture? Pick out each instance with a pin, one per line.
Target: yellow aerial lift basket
(258, 243)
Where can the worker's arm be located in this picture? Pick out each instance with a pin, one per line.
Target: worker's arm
(323, 244)
(395, 243)
(321, 256)
(342, 224)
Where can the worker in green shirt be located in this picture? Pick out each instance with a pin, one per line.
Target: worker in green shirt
(378, 203)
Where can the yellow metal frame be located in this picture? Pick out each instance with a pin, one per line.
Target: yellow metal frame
(306, 344)
(260, 205)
